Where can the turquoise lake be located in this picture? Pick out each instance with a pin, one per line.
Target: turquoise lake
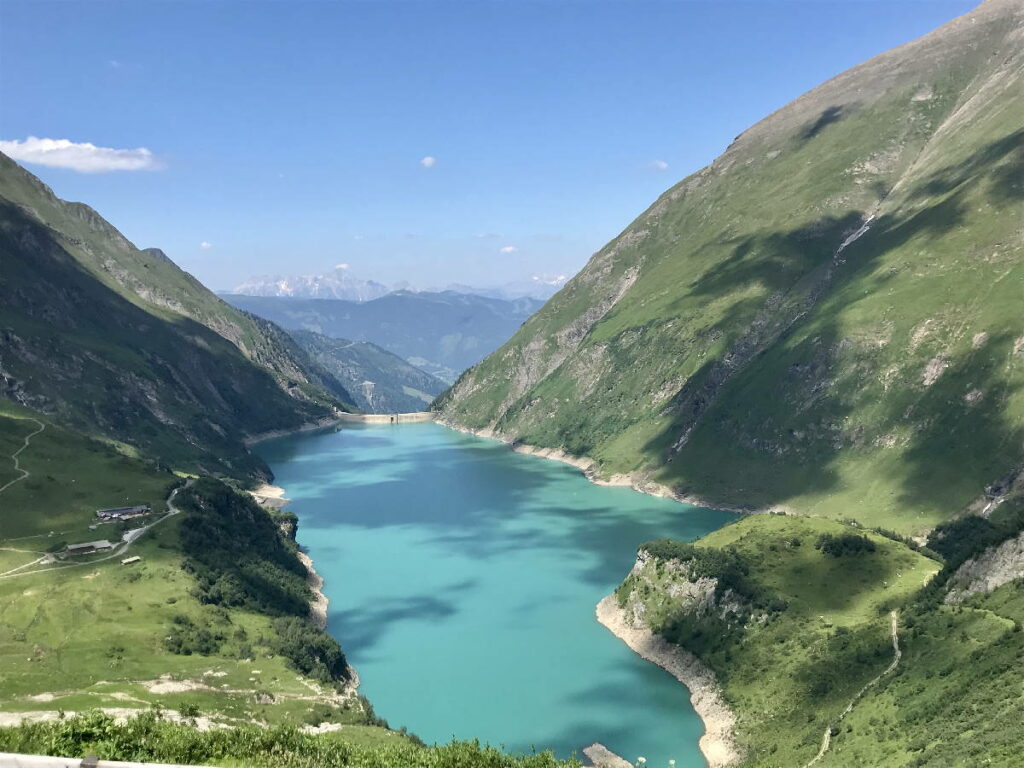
(463, 578)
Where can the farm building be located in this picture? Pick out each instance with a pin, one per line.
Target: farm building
(86, 547)
(122, 513)
(130, 560)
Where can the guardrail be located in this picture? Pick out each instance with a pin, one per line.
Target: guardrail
(11, 760)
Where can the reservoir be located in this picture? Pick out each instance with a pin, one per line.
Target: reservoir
(462, 580)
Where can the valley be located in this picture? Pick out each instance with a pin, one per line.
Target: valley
(463, 578)
(310, 522)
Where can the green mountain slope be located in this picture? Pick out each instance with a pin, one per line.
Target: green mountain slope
(119, 343)
(379, 381)
(829, 318)
(796, 628)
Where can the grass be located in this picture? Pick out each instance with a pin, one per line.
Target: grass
(151, 738)
(956, 701)
(90, 635)
(71, 477)
(88, 632)
(798, 383)
(788, 673)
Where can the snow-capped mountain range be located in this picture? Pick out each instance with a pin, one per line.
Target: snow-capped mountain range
(340, 283)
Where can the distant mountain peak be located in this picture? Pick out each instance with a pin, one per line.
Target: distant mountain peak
(339, 283)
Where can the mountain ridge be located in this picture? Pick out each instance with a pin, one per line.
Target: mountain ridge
(441, 333)
(118, 342)
(657, 357)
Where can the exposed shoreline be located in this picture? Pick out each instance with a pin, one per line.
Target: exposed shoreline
(718, 744)
(318, 608)
(318, 615)
(586, 465)
(327, 421)
(274, 497)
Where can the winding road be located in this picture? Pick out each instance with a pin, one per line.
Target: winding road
(897, 654)
(130, 538)
(14, 456)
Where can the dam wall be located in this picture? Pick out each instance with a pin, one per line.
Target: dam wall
(387, 418)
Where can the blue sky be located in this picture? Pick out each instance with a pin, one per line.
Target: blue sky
(288, 137)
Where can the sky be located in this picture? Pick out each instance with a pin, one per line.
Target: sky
(431, 142)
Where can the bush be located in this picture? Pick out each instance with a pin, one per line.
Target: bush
(238, 554)
(241, 557)
(844, 544)
(310, 650)
(725, 565)
(150, 738)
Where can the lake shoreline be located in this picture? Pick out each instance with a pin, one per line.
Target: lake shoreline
(275, 495)
(327, 421)
(601, 756)
(318, 607)
(718, 744)
(587, 466)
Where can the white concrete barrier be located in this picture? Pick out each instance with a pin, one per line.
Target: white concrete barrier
(10, 760)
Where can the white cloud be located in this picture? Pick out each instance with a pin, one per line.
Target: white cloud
(659, 165)
(205, 245)
(79, 156)
(341, 266)
(428, 161)
(509, 249)
(114, 64)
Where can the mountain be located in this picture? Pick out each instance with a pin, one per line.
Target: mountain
(828, 319)
(339, 283)
(540, 287)
(441, 333)
(118, 343)
(379, 381)
(827, 322)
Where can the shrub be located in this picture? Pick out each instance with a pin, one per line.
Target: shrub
(310, 650)
(844, 544)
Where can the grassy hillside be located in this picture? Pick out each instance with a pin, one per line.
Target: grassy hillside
(812, 623)
(817, 630)
(150, 738)
(379, 381)
(120, 344)
(827, 319)
(71, 476)
(211, 620)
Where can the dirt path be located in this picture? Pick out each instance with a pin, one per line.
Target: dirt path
(14, 456)
(897, 654)
(117, 551)
(23, 567)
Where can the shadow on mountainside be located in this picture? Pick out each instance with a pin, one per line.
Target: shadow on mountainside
(987, 164)
(827, 117)
(960, 422)
(767, 419)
